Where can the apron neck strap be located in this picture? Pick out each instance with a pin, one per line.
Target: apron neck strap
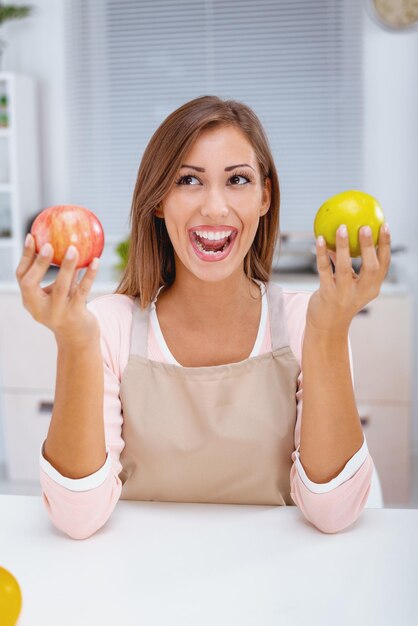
(139, 331)
(277, 316)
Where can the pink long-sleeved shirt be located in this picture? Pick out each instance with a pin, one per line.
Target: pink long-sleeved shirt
(79, 507)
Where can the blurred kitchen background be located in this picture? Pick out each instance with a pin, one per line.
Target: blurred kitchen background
(83, 86)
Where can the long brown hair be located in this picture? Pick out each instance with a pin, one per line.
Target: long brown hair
(150, 262)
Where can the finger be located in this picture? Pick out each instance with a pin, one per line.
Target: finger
(65, 276)
(323, 263)
(383, 249)
(26, 259)
(343, 267)
(73, 285)
(86, 282)
(370, 268)
(333, 256)
(30, 282)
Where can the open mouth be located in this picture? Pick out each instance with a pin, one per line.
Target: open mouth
(212, 249)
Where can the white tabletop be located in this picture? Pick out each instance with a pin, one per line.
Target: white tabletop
(165, 564)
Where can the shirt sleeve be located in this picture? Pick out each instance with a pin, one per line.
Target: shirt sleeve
(334, 505)
(77, 484)
(79, 507)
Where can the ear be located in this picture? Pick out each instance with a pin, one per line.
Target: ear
(266, 197)
(158, 212)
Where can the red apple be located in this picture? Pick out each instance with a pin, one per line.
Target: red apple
(64, 225)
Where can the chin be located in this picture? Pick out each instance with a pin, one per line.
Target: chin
(213, 274)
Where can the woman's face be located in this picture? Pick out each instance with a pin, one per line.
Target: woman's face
(215, 204)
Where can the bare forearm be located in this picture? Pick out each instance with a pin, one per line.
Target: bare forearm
(75, 444)
(331, 430)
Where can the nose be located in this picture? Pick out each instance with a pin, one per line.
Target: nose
(214, 205)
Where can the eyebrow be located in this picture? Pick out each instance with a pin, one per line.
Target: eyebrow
(227, 169)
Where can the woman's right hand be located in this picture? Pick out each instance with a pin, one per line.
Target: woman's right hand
(60, 306)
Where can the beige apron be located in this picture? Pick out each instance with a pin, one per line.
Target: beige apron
(217, 434)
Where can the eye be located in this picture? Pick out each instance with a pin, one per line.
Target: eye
(180, 180)
(184, 180)
(247, 180)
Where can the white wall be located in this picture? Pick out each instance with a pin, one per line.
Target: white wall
(391, 149)
(36, 47)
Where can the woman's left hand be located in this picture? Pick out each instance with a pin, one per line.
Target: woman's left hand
(343, 293)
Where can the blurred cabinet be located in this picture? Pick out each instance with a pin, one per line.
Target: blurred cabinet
(381, 338)
(19, 166)
(381, 341)
(28, 358)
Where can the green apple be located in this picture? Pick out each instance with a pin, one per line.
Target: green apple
(354, 209)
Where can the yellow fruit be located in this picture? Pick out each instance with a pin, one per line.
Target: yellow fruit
(354, 209)
(10, 598)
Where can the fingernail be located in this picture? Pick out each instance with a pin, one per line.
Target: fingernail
(386, 228)
(46, 249)
(366, 231)
(95, 264)
(321, 241)
(70, 253)
(28, 239)
(343, 230)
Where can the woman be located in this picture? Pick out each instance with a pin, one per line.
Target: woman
(186, 383)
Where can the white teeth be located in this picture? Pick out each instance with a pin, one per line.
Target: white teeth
(212, 235)
(201, 248)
